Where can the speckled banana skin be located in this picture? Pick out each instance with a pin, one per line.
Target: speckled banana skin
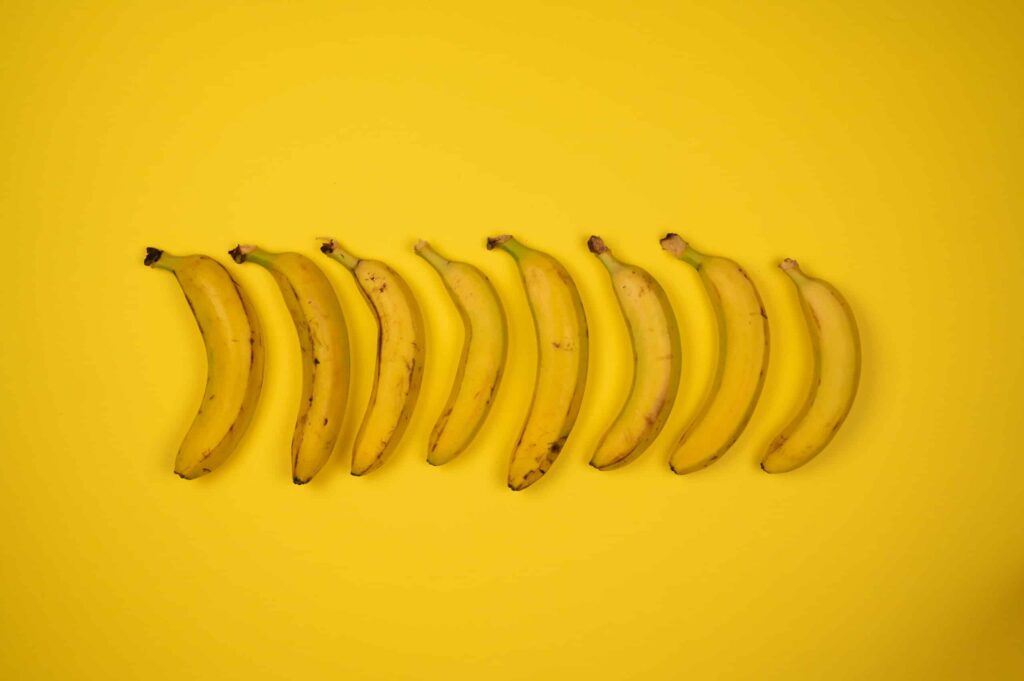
(234, 359)
(401, 344)
(836, 347)
(657, 359)
(323, 341)
(742, 359)
(482, 362)
(560, 325)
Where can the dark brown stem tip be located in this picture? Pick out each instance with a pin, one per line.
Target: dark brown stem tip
(327, 247)
(237, 254)
(789, 264)
(495, 241)
(673, 243)
(152, 255)
(596, 245)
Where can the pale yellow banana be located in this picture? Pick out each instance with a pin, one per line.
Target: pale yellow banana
(836, 372)
(234, 355)
(741, 364)
(654, 335)
(400, 349)
(560, 325)
(323, 341)
(484, 346)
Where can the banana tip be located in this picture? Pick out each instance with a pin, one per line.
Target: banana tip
(239, 252)
(789, 264)
(674, 244)
(495, 241)
(327, 246)
(299, 481)
(152, 255)
(596, 245)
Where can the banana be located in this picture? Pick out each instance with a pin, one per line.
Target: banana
(560, 325)
(400, 349)
(836, 348)
(323, 340)
(657, 360)
(482, 362)
(742, 359)
(234, 355)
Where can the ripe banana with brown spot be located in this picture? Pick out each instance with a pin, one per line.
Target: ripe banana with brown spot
(484, 346)
(234, 358)
(560, 325)
(323, 341)
(743, 341)
(401, 344)
(836, 372)
(654, 336)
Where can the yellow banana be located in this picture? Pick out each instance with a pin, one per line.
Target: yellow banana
(234, 355)
(400, 350)
(484, 347)
(560, 325)
(323, 340)
(742, 359)
(654, 335)
(836, 372)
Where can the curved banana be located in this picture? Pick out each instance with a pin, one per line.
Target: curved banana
(657, 360)
(482, 362)
(234, 356)
(323, 340)
(399, 367)
(836, 348)
(742, 359)
(560, 325)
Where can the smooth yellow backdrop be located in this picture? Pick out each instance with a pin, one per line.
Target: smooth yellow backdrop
(877, 142)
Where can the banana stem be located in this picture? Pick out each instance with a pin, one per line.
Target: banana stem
(427, 252)
(160, 259)
(333, 249)
(792, 268)
(247, 252)
(677, 246)
(597, 247)
(507, 243)
(153, 256)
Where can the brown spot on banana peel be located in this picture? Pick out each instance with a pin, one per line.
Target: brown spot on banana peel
(528, 479)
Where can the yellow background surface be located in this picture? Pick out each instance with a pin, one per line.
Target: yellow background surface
(877, 142)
